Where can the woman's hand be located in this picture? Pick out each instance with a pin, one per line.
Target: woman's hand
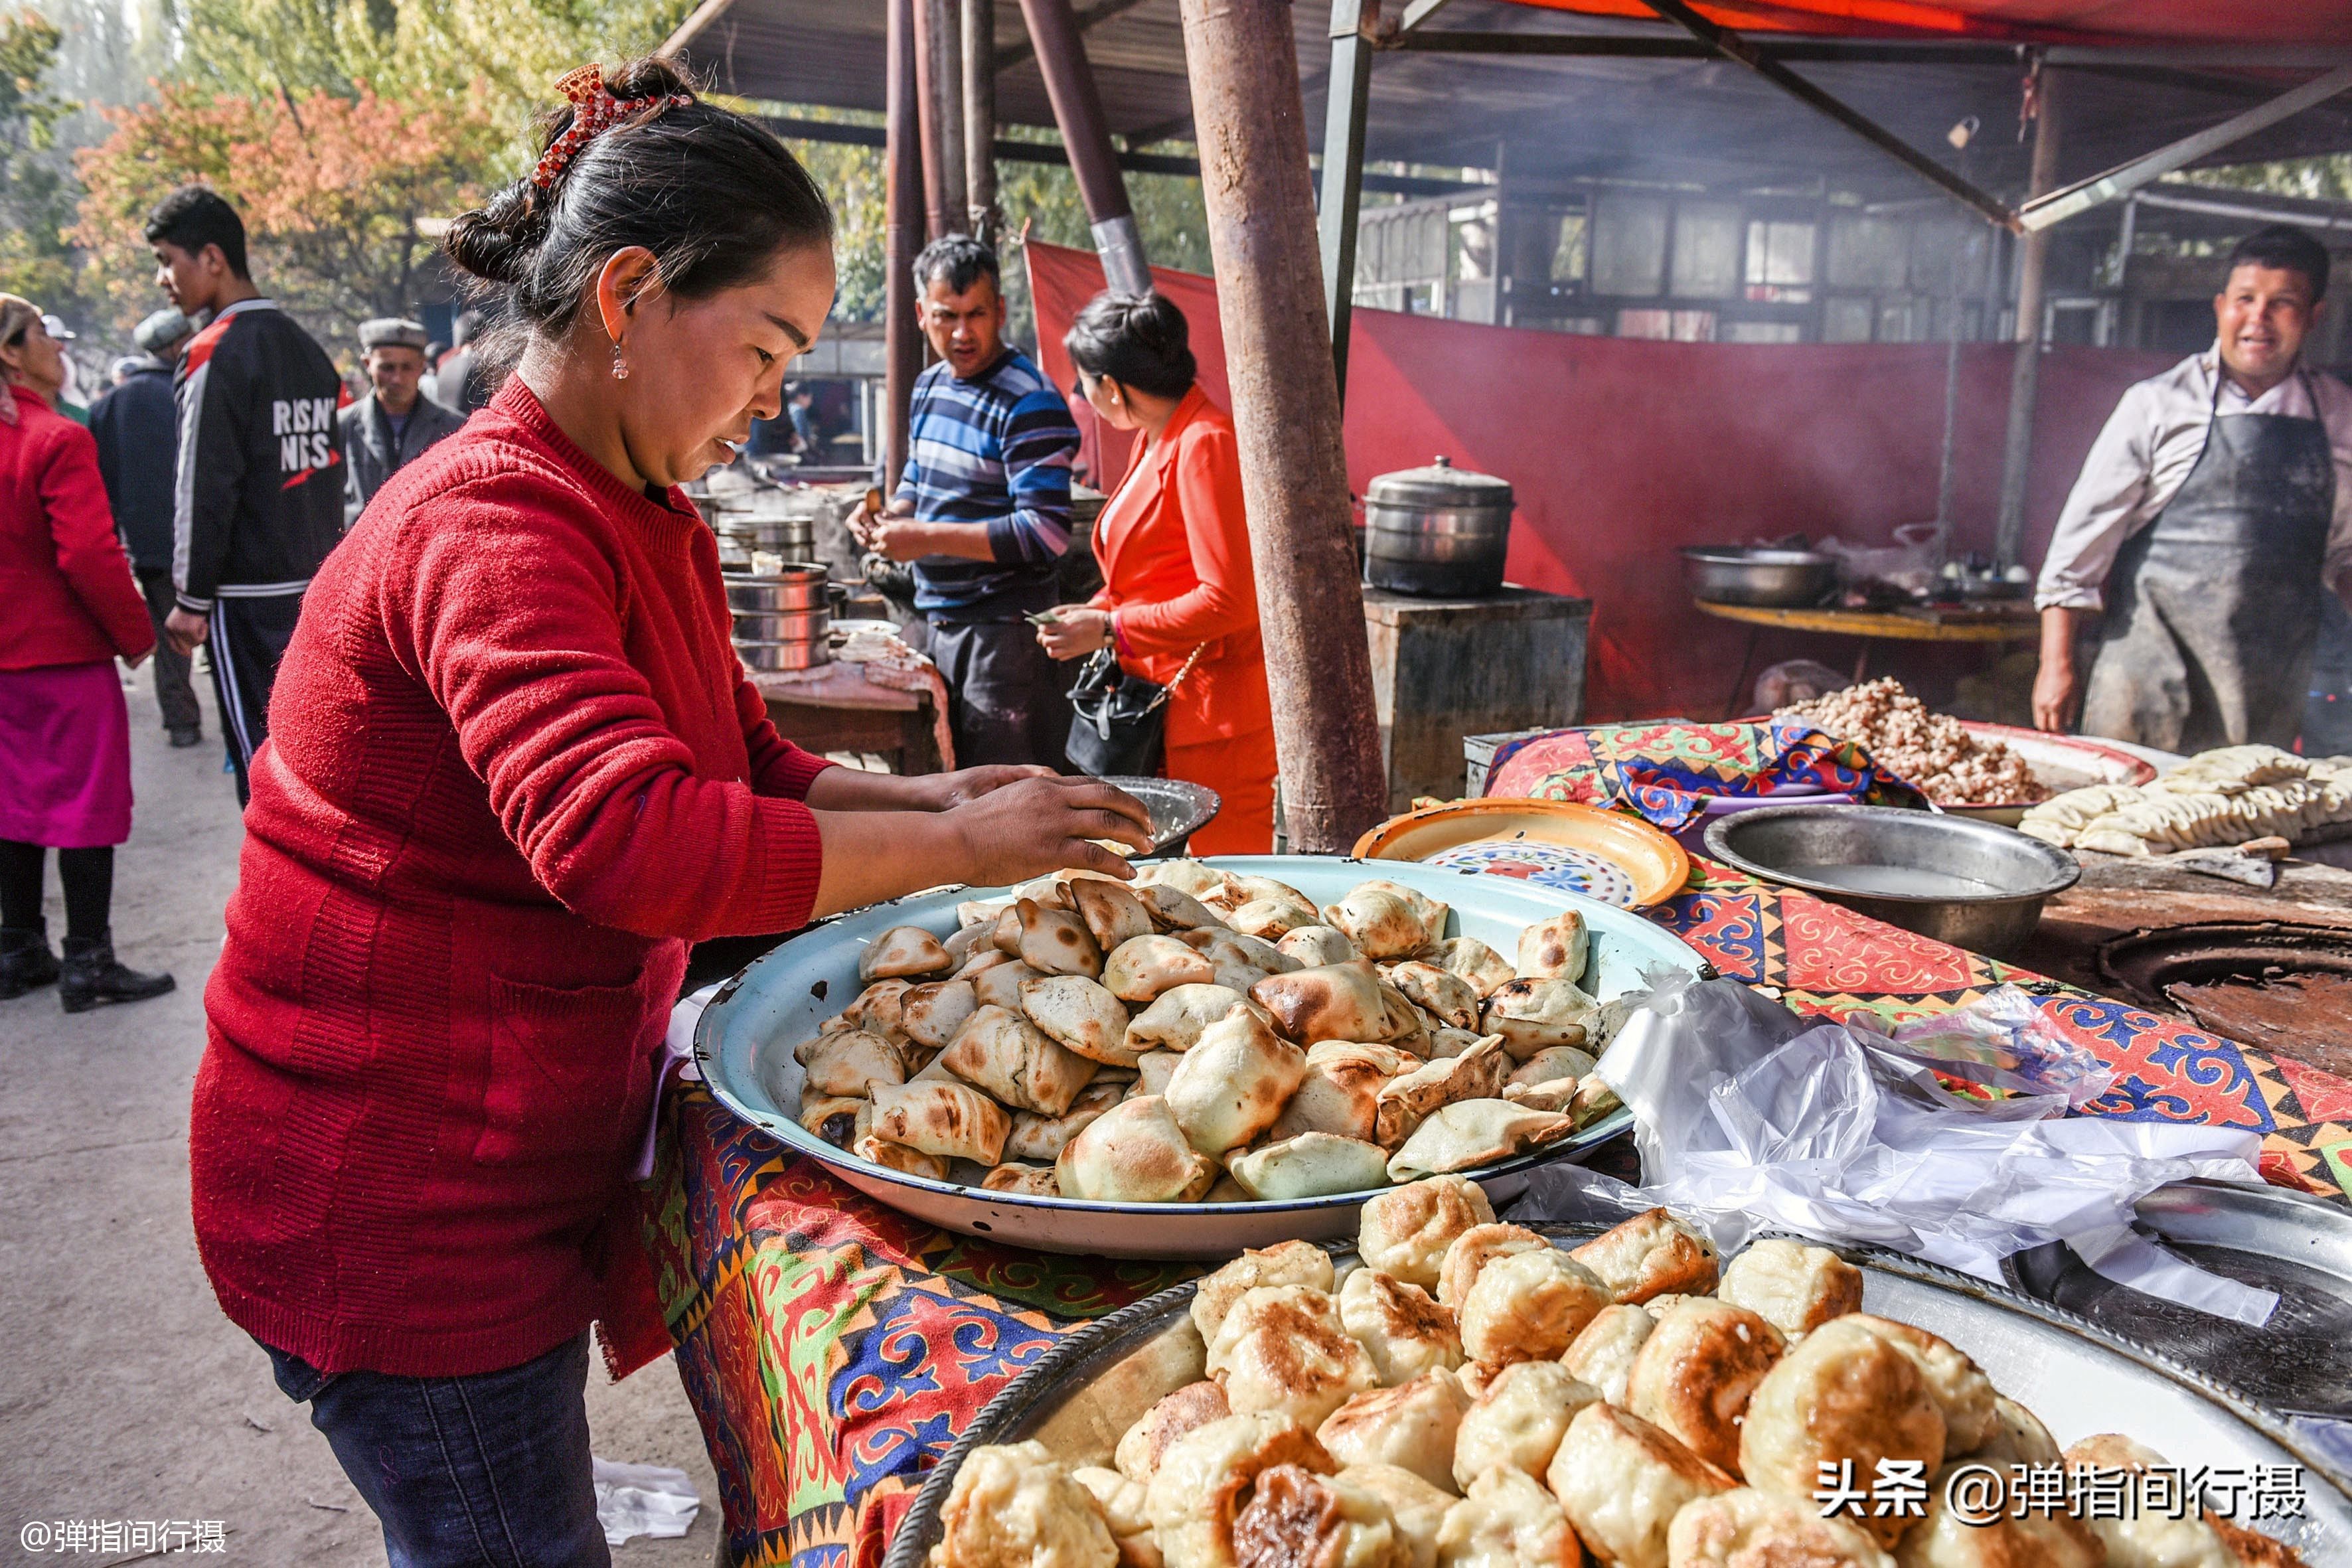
(1075, 631)
(945, 792)
(1029, 827)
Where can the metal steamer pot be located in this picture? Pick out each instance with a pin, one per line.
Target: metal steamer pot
(1439, 531)
(782, 620)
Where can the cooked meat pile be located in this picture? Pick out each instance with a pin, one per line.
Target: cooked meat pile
(1930, 750)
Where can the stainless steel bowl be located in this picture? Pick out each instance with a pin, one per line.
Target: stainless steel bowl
(1969, 883)
(798, 586)
(1753, 574)
(1179, 809)
(783, 654)
(783, 625)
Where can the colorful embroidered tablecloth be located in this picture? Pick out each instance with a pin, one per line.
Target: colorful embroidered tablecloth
(833, 1348)
(1666, 769)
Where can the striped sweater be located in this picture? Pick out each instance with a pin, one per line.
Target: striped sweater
(993, 452)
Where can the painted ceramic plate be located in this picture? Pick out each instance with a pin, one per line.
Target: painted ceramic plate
(1605, 855)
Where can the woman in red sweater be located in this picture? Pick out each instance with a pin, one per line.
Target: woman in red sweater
(1174, 543)
(514, 769)
(65, 736)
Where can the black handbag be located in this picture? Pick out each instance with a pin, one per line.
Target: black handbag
(1119, 724)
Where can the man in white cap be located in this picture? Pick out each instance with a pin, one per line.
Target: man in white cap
(385, 430)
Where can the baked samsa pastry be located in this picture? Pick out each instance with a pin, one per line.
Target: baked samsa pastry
(2018, 1437)
(1056, 942)
(1508, 1520)
(1554, 949)
(929, 1014)
(899, 1157)
(1196, 878)
(1412, 1426)
(1841, 1395)
(1140, 968)
(1126, 1508)
(1651, 1255)
(833, 1118)
(1172, 909)
(1407, 1333)
(849, 1062)
(1015, 1506)
(1008, 1056)
(1734, 1529)
(1176, 1017)
(1473, 1133)
(1079, 1015)
(1622, 1481)
(1134, 1153)
(1518, 1419)
(1528, 1306)
(1695, 1372)
(2151, 1539)
(1404, 1102)
(999, 985)
(1031, 1181)
(952, 1121)
(1236, 961)
(902, 951)
(1404, 1232)
(1309, 1165)
(1444, 996)
(1340, 1093)
(1206, 1478)
(1472, 1250)
(1152, 1071)
(1487, 970)
(1602, 1352)
(1333, 1002)
(1534, 1014)
(1313, 946)
(1961, 1391)
(1270, 920)
(1157, 1429)
(1234, 1082)
(1386, 920)
(875, 1008)
(2043, 1540)
(1417, 1508)
(1289, 1263)
(1793, 1286)
(1295, 1517)
(1112, 914)
(1282, 1347)
(1042, 1138)
(1551, 1065)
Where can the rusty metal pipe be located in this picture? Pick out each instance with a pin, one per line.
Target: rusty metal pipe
(902, 237)
(1260, 195)
(926, 121)
(980, 117)
(2025, 369)
(1079, 111)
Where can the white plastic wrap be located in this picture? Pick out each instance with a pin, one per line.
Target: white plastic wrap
(1749, 1118)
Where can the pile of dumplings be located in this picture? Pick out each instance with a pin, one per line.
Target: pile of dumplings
(1469, 1395)
(1200, 1037)
(2231, 795)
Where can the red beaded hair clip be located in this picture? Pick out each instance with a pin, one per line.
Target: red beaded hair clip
(594, 111)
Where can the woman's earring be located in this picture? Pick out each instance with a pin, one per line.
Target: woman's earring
(620, 365)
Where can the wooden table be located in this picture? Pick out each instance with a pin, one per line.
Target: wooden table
(841, 710)
(2006, 621)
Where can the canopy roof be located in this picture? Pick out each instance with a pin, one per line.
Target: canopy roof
(2221, 22)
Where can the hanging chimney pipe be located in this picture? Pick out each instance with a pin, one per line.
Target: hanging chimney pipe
(902, 237)
(1085, 135)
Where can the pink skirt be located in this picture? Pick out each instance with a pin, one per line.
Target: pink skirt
(65, 756)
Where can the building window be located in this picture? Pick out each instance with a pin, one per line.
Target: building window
(1780, 261)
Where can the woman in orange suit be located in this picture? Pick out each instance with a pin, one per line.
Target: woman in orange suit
(1175, 559)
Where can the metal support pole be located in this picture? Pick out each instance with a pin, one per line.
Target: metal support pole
(1244, 65)
(902, 237)
(926, 119)
(944, 23)
(1343, 168)
(1077, 110)
(980, 117)
(2024, 378)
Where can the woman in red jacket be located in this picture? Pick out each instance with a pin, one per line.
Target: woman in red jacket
(64, 734)
(514, 769)
(1174, 547)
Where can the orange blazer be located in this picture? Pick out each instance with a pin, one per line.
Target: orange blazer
(1174, 546)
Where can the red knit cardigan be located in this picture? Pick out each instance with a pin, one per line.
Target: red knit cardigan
(514, 768)
(65, 583)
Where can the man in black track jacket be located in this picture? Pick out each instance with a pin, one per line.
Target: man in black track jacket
(258, 498)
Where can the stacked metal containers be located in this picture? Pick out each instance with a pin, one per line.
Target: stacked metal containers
(1439, 531)
(783, 618)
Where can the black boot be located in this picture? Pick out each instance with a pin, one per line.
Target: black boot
(26, 962)
(91, 976)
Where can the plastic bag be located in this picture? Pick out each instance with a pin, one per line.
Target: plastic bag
(1749, 1118)
(2004, 1040)
(643, 1500)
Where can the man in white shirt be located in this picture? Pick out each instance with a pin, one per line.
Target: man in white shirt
(2211, 512)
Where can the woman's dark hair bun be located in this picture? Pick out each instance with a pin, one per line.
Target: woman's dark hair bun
(495, 242)
(1140, 341)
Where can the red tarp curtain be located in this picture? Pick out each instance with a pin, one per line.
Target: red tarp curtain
(1620, 451)
(2243, 22)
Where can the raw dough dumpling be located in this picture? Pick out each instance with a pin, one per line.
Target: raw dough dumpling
(1958, 1386)
(1056, 942)
(1508, 1520)
(1517, 1420)
(1017, 1506)
(1734, 1529)
(1157, 1429)
(1177, 1015)
(850, 1062)
(1042, 1138)
(1841, 1395)
(1417, 1508)
(900, 951)
(1143, 967)
(1296, 1517)
(1313, 946)
(1112, 913)
(1794, 1287)
(1528, 1306)
(1404, 1232)
(1079, 1015)
(1487, 970)
(2055, 1539)
(1554, 949)
(1472, 1250)
(1290, 1263)
(930, 1015)
(1650, 1255)
(1309, 1165)
(1411, 1425)
(1134, 1153)
(898, 1157)
(1534, 1014)
(1205, 1477)
(1473, 1133)
(1621, 1482)
(1450, 999)
(952, 1121)
(1340, 1093)
(1404, 1102)
(1550, 1065)
(1602, 1352)
(1005, 1054)
(1234, 1082)
(1126, 1509)
(1407, 1333)
(1282, 1347)
(1385, 919)
(1696, 1371)
(1334, 1002)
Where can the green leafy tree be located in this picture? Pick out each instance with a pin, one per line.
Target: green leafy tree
(37, 186)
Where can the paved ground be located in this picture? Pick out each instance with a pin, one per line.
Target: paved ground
(124, 1395)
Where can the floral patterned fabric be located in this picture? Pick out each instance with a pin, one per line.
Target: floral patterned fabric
(1665, 770)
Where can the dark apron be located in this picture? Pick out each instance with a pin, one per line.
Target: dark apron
(2213, 608)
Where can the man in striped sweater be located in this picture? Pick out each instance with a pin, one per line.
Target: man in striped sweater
(984, 513)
